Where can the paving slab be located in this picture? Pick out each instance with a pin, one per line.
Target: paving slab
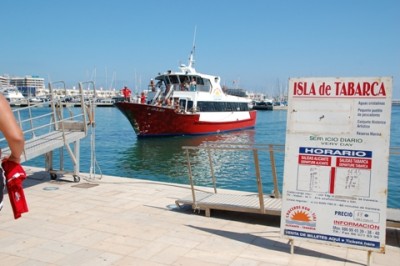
(126, 221)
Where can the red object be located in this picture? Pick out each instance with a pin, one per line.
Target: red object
(149, 120)
(15, 174)
(126, 92)
(142, 98)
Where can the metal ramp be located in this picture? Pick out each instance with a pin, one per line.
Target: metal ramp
(207, 198)
(230, 202)
(53, 125)
(217, 199)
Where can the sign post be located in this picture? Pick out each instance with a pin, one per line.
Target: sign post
(336, 161)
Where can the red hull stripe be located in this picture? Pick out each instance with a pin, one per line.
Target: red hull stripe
(148, 120)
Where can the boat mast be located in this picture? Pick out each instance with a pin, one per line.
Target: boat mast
(191, 57)
(190, 67)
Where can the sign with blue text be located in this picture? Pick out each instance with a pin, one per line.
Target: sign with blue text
(336, 161)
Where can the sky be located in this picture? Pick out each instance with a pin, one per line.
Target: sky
(256, 45)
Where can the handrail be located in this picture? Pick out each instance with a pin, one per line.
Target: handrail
(155, 98)
(255, 148)
(53, 119)
(235, 147)
(91, 103)
(171, 89)
(53, 100)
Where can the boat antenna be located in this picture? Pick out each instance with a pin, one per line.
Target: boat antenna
(191, 57)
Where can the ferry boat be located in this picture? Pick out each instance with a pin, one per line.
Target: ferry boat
(187, 102)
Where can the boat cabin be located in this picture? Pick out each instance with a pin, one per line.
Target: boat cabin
(192, 92)
(184, 83)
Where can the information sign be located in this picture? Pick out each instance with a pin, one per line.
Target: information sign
(336, 161)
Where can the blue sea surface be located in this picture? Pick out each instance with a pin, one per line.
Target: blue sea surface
(120, 153)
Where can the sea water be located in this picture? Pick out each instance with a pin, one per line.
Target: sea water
(119, 152)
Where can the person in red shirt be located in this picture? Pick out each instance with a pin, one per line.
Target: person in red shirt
(127, 93)
(143, 98)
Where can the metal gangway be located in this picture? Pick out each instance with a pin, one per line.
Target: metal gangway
(55, 124)
(217, 199)
(210, 197)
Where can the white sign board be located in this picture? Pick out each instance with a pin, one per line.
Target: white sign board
(336, 161)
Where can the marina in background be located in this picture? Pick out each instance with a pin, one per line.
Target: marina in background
(33, 90)
(120, 153)
(270, 128)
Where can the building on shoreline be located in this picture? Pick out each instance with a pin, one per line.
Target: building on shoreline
(28, 85)
(34, 87)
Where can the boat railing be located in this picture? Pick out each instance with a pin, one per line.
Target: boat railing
(171, 90)
(156, 97)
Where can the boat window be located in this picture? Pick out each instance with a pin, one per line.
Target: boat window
(183, 78)
(199, 80)
(189, 105)
(182, 104)
(230, 106)
(166, 80)
(218, 106)
(184, 82)
(222, 106)
(160, 84)
(174, 79)
(203, 85)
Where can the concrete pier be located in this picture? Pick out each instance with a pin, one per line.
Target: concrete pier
(125, 221)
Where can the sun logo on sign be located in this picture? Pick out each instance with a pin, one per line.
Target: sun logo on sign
(300, 216)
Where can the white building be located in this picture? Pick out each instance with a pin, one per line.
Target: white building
(28, 85)
(4, 81)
